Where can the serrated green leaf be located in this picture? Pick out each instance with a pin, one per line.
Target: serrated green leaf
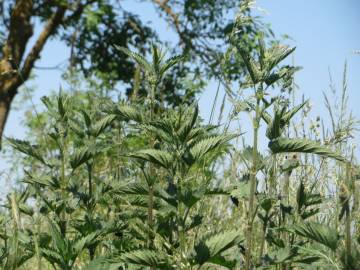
(241, 191)
(127, 113)
(87, 118)
(146, 257)
(80, 156)
(204, 146)
(28, 149)
(251, 66)
(137, 57)
(318, 232)
(172, 61)
(188, 124)
(159, 157)
(214, 245)
(60, 244)
(42, 180)
(276, 54)
(281, 145)
(102, 263)
(102, 124)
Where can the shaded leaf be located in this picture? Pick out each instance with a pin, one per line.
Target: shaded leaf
(80, 156)
(211, 247)
(319, 233)
(159, 157)
(28, 149)
(100, 125)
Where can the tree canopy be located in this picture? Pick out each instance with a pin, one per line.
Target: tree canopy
(92, 28)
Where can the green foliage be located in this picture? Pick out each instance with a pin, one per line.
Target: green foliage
(281, 145)
(319, 233)
(115, 184)
(210, 249)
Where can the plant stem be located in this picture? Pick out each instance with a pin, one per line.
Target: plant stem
(348, 219)
(89, 169)
(63, 187)
(150, 213)
(262, 243)
(181, 222)
(253, 172)
(152, 172)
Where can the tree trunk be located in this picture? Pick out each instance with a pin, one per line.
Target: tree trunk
(5, 104)
(15, 67)
(4, 112)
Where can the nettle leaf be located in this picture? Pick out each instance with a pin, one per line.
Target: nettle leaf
(169, 63)
(281, 145)
(132, 189)
(60, 244)
(87, 118)
(102, 124)
(146, 257)
(49, 105)
(79, 244)
(276, 125)
(62, 104)
(188, 124)
(301, 196)
(127, 113)
(159, 157)
(247, 156)
(276, 54)
(304, 200)
(267, 204)
(291, 113)
(241, 191)
(42, 180)
(280, 120)
(137, 57)
(80, 156)
(211, 247)
(251, 66)
(51, 256)
(275, 76)
(28, 149)
(204, 146)
(319, 233)
(26, 209)
(162, 129)
(102, 263)
(280, 255)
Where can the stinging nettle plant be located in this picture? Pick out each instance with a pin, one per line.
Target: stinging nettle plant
(136, 185)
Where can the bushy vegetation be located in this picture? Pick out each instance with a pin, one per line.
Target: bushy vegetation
(139, 184)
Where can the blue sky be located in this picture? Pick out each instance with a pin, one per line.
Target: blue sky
(324, 31)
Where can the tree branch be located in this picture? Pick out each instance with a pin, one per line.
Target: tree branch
(174, 17)
(77, 11)
(52, 24)
(20, 31)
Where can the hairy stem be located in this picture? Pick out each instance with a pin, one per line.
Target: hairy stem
(348, 220)
(253, 172)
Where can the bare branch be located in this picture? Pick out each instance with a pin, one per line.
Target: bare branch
(52, 24)
(174, 17)
(77, 11)
(20, 31)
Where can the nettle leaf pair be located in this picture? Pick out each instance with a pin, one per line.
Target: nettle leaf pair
(154, 71)
(265, 71)
(280, 144)
(183, 142)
